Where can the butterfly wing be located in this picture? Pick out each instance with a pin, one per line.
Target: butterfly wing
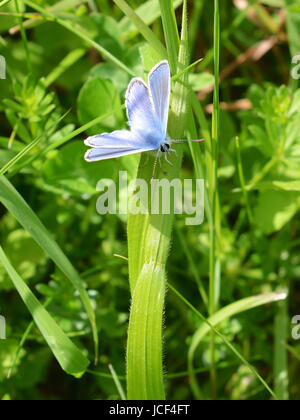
(116, 144)
(142, 118)
(120, 139)
(160, 87)
(94, 155)
(146, 129)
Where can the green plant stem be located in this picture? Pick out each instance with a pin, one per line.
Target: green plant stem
(242, 180)
(24, 37)
(214, 187)
(117, 382)
(148, 248)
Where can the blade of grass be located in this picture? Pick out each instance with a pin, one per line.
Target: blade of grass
(171, 32)
(28, 148)
(23, 341)
(14, 203)
(106, 54)
(4, 2)
(213, 261)
(281, 376)
(148, 247)
(64, 65)
(117, 382)
(149, 12)
(292, 350)
(70, 358)
(142, 27)
(192, 264)
(24, 37)
(209, 325)
(63, 140)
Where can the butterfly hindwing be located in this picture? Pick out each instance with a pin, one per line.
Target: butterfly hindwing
(120, 139)
(93, 155)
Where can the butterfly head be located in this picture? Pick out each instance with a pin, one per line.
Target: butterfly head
(165, 148)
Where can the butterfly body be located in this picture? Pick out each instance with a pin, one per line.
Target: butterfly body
(147, 112)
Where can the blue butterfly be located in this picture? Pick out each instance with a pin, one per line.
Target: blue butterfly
(147, 111)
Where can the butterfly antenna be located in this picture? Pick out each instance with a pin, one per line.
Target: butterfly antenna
(155, 165)
(186, 140)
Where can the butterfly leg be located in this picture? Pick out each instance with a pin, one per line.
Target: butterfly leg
(168, 160)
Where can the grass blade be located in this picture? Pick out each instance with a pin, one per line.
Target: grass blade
(171, 31)
(148, 246)
(280, 352)
(67, 354)
(117, 382)
(13, 201)
(142, 27)
(81, 35)
(208, 325)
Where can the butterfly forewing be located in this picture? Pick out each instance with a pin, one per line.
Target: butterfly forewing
(140, 111)
(160, 86)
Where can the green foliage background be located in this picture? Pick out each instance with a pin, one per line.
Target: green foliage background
(79, 57)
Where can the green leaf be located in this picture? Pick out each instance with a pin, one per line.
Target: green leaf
(67, 354)
(201, 81)
(96, 98)
(13, 201)
(276, 185)
(108, 34)
(66, 170)
(275, 209)
(107, 71)
(23, 252)
(293, 22)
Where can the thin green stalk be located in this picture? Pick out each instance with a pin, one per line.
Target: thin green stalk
(210, 325)
(242, 180)
(291, 350)
(64, 65)
(24, 37)
(266, 169)
(281, 328)
(117, 382)
(198, 279)
(214, 186)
